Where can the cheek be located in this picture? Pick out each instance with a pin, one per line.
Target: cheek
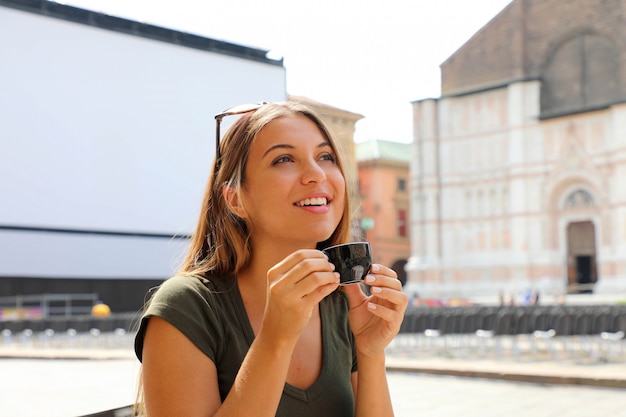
(339, 184)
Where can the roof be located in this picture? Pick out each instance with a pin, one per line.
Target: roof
(144, 30)
(313, 103)
(383, 150)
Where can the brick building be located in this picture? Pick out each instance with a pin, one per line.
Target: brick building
(383, 169)
(517, 183)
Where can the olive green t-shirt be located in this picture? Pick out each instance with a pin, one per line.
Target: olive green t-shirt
(210, 312)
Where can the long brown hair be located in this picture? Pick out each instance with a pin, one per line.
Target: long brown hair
(220, 244)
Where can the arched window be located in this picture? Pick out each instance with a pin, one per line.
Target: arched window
(583, 73)
(577, 199)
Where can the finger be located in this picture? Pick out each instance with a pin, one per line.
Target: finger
(318, 284)
(389, 315)
(392, 298)
(295, 258)
(305, 268)
(297, 265)
(315, 293)
(355, 294)
(377, 269)
(379, 280)
(308, 276)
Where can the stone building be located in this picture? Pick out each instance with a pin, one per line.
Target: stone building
(517, 180)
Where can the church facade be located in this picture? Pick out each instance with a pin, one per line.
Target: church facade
(518, 170)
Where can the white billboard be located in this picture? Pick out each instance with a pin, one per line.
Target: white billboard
(104, 135)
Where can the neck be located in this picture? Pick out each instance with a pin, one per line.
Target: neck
(264, 256)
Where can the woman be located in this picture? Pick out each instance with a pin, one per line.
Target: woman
(255, 324)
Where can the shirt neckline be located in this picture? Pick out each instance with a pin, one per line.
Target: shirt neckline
(315, 389)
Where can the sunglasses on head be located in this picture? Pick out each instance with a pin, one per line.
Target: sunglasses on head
(237, 110)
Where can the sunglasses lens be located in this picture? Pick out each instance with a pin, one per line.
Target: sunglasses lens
(241, 109)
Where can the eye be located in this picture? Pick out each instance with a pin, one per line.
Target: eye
(282, 159)
(328, 157)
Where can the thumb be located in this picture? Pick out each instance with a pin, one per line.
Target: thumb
(355, 294)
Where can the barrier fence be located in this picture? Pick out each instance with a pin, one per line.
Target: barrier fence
(509, 320)
(37, 306)
(552, 332)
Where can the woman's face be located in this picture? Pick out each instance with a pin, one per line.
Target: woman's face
(294, 191)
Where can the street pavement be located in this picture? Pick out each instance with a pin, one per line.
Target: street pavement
(75, 381)
(452, 396)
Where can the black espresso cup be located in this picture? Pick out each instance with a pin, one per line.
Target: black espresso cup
(351, 260)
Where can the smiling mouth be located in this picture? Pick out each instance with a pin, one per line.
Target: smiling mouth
(319, 201)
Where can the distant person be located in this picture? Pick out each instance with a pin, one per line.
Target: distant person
(100, 310)
(535, 298)
(501, 301)
(511, 301)
(255, 323)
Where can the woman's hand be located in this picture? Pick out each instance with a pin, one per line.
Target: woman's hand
(375, 320)
(296, 285)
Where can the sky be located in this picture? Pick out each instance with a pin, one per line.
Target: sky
(371, 57)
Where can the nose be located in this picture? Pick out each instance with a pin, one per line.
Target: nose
(312, 172)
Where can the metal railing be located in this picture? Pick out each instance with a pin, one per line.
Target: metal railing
(47, 305)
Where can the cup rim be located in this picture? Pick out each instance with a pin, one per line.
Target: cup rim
(346, 244)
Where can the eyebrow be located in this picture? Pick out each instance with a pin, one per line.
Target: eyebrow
(287, 146)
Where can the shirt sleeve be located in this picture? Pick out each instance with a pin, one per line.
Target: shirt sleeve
(184, 302)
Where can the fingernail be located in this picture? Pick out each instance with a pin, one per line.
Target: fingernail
(376, 290)
(370, 278)
(372, 306)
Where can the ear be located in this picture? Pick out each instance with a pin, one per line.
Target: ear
(231, 197)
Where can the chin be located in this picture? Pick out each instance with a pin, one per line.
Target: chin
(324, 240)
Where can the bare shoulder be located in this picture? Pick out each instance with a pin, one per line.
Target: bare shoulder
(177, 377)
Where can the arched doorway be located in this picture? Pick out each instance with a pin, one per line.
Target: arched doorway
(398, 266)
(581, 257)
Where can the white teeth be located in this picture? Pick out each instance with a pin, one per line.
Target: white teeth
(319, 201)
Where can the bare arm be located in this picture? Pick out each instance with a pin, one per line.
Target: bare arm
(181, 380)
(372, 396)
(375, 321)
(178, 379)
